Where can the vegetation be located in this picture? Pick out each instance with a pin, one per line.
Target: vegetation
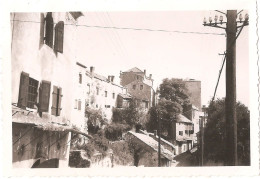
(215, 133)
(173, 97)
(95, 120)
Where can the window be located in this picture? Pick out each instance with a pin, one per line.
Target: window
(76, 104)
(141, 87)
(187, 132)
(113, 95)
(49, 30)
(44, 96)
(134, 86)
(105, 93)
(137, 77)
(97, 91)
(107, 106)
(59, 35)
(181, 133)
(79, 105)
(32, 92)
(88, 88)
(27, 91)
(56, 101)
(146, 104)
(80, 78)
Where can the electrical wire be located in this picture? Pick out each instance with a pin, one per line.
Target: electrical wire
(131, 28)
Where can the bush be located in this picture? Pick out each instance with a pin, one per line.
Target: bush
(114, 131)
(95, 120)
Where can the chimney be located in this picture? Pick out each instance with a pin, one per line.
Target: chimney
(92, 69)
(150, 76)
(155, 133)
(112, 78)
(144, 71)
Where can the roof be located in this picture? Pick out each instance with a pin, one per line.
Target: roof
(153, 144)
(194, 107)
(183, 119)
(125, 96)
(23, 116)
(135, 69)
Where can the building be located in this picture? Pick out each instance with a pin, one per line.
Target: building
(193, 114)
(139, 86)
(183, 131)
(145, 150)
(103, 94)
(194, 91)
(43, 61)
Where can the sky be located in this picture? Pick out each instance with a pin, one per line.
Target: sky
(162, 54)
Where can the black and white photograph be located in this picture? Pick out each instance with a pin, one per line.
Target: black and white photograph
(117, 89)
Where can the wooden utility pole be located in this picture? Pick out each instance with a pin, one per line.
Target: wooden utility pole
(159, 139)
(230, 106)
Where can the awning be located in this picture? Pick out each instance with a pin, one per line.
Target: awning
(23, 116)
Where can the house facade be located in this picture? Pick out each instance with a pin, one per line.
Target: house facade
(43, 61)
(139, 86)
(104, 95)
(183, 132)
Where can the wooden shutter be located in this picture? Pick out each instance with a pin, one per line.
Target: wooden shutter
(54, 100)
(59, 34)
(44, 96)
(23, 90)
(59, 101)
(79, 105)
(41, 30)
(49, 30)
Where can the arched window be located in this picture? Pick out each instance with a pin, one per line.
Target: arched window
(49, 30)
(59, 33)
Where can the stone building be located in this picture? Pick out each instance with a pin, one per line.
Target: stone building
(139, 86)
(43, 61)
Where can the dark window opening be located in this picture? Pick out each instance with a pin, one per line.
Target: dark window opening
(79, 105)
(80, 78)
(181, 133)
(97, 91)
(105, 93)
(113, 95)
(141, 87)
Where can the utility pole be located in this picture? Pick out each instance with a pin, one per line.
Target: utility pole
(159, 139)
(230, 112)
(230, 103)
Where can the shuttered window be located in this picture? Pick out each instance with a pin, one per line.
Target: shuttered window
(23, 90)
(59, 34)
(44, 96)
(56, 101)
(32, 92)
(49, 30)
(80, 78)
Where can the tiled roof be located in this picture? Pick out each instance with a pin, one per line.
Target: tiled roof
(126, 96)
(183, 119)
(153, 144)
(135, 69)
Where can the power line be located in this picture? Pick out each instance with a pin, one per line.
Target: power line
(131, 28)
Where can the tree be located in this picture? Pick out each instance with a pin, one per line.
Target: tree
(214, 134)
(95, 119)
(173, 97)
(132, 115)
